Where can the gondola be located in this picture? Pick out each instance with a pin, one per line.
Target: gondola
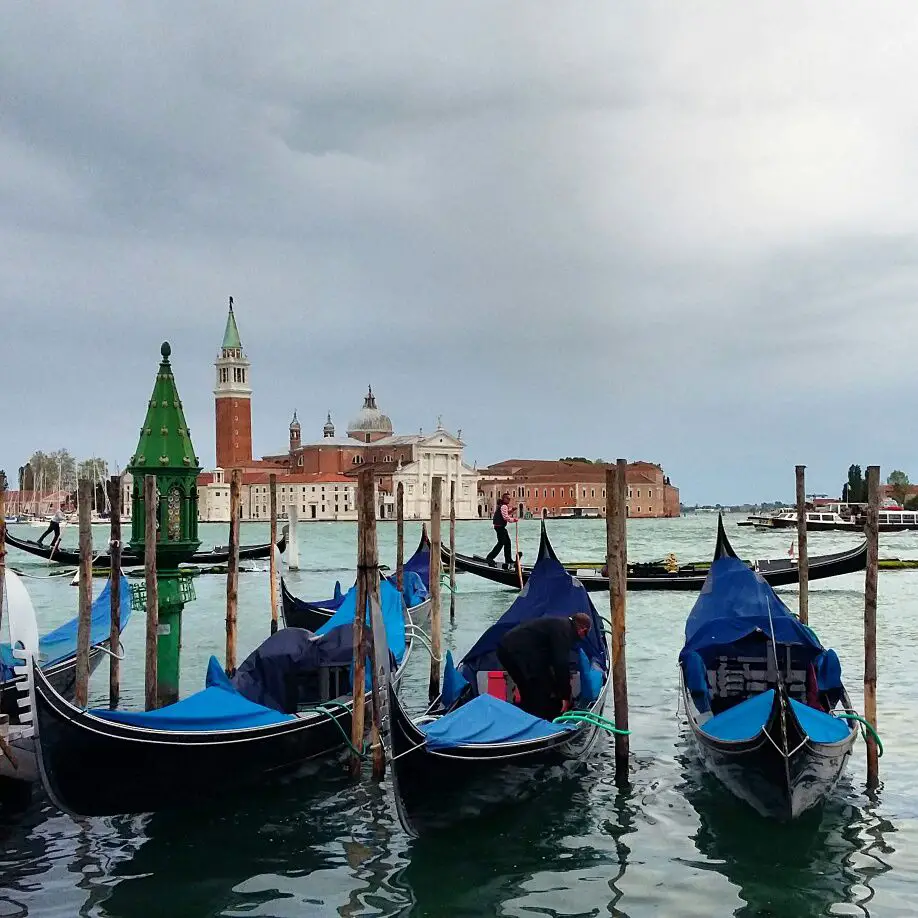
(658, 576)
(289, 702)
(473, 732)
(300, 613)
(56, 656)
(216, 555)
(762, 694)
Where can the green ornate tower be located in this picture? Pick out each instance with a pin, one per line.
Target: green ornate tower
(165, 450)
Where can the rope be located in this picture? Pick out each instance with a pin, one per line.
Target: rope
(867, 728)
(588, 717)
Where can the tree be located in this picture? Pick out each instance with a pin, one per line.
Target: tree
(4, 484)
(96, 470)
(855, 492)
(898, 486)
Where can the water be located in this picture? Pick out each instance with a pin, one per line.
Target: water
(670, 844)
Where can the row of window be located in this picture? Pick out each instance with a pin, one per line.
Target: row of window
(238, 375)
(534, 492)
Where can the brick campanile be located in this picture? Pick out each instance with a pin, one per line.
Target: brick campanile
(233, 400)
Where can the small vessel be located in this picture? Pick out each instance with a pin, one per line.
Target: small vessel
(579, 513)
(290, 701)
(301, 613)
(473, 732)
(765, 701)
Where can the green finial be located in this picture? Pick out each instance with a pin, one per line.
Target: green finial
(231, 340)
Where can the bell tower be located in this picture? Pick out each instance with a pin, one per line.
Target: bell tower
(233, 400)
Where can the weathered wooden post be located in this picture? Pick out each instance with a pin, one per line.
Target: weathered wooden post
(292, 553)
(151, 504)
(436, 512)
(2, 552)
(84, 622)
(165, 450)
(232, 571)
(114, 634)
(452, 552)
(803, 564)
(272, 491)
(617, 566)
(871, 530)
(400, 537)
(358, 721)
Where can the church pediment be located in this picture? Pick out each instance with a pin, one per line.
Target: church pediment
(440, 438)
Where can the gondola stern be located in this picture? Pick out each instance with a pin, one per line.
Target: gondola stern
(545, 547)
(722, 548)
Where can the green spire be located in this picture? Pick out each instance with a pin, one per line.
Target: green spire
(231, 335)
(165, 441)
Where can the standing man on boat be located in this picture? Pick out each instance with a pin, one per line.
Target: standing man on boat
(54, 528)
(537, 656)
(502, 515)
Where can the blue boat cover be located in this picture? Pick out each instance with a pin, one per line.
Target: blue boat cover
(735, 602)
(414, 590)
(550, 590)
(218, 707)
(819, 726)
(487, 720)
(393, 611)
(828, 671)
(591, 677)
(453, 682)
(61, 643)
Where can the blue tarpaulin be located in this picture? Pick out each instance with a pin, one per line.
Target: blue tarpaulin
(453, 682)
(550, 591)
(736, 602)
(486, 719)
(61, 643)
(217, 707)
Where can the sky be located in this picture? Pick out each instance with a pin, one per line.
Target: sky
(684, 233)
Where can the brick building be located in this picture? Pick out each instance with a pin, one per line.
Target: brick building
(550, 488)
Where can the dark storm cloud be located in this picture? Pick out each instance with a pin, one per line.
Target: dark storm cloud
(654, 231)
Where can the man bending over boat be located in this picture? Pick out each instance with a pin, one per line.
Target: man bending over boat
(502, 515)
(54, 528)
(537, 656)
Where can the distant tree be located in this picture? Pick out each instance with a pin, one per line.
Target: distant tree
(856, 490)
(898, 484)
(575, 459)
(4, 484)
(912, 503)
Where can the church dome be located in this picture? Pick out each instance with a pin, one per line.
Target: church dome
(370, 421)
(328, 430)
(294, 424)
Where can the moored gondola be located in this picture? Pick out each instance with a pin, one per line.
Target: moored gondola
(289, 702)
(474, 732)
(301, 613)
(765, 701)
(216, 555)
(661, 575)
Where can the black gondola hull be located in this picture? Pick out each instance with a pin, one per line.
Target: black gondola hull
(779, 779)
(776, 573)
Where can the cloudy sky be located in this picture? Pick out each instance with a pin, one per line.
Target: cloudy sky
(678, 232)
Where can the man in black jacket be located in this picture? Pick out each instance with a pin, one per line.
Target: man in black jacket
(537, 656)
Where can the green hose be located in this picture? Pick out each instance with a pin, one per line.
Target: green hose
(444, 582)
(588, 717)
(868, 727)
(323, 709)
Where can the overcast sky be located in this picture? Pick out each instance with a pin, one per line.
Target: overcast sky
(679, 232)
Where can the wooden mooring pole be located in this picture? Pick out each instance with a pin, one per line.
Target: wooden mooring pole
(151, 508)
(358, 718)
(400, 537)
(617, 566)
(232, 571)
(452, 552)
(436, 512)
(114, 634)
(272, 490)
(803, 564)
(2, 553)
(871, 530)
(292, 554)
(84, 622)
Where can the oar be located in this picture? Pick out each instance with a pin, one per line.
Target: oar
(519, 567)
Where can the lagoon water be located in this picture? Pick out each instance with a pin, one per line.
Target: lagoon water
(670, 844)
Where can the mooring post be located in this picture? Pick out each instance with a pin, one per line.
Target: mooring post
(400, 537)
(2, 552)
(803, 564)
(232, 571)
(617, 566)
(871, 530)
(84, 622)
(452, 552)
(378, 645)
(365, 495)
(436, 512)
(272, 490)
(114, 634)
(151, 509)
(292, 553)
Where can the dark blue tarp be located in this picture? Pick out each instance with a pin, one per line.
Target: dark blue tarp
(418, 563)
(217, 707)
(552, 591)
(735, 602)
(453, 682)
(61, 643)
(486, 719)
